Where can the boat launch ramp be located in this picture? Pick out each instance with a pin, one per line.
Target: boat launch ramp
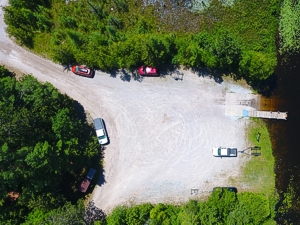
(248, 105)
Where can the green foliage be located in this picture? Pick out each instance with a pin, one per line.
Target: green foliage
(289, 27)
(257, 65)
(5, 72)
(44, 20)
(164, 214)
(218, 207)
(41, 142)
(118, 216)
(222, 207)
(251, 209)
(138, 215)
(219, 50)
(230, 37)
(67, 214)
(189, 213)
(289, 204)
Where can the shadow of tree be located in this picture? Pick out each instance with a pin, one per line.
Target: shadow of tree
(210, 73)
(168, 69)
(80, 111)
(135, 75)
(265, 87)
(113, 73)
(125, 75)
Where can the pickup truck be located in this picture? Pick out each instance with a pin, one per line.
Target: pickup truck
(224, 152)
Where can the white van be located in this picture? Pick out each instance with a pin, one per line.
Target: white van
(100, 131)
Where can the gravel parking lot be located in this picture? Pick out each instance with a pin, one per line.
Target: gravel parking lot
(161, 131)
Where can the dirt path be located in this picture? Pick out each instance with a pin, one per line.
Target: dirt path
(161, 130)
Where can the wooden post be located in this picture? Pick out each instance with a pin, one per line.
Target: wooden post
(258, 137)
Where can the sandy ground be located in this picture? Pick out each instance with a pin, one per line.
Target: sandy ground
(161, 131)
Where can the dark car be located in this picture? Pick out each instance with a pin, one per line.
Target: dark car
(231, 189)
(148, 71)
(83, 71)
(87, 180)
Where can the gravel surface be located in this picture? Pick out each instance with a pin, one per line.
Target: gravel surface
(161, 131)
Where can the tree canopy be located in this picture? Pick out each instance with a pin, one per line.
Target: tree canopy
(289, 27)
(42, 142)
(222, 207)
(113, 34)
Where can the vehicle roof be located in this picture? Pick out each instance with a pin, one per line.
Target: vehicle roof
(98, 123)
(84, 185)
(91, 173)
(100, 132)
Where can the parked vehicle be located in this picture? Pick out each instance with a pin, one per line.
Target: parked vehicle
(224, 152)
(83, 71)
(100, 131)
(148, 71)
(87, 180)
(231, 189)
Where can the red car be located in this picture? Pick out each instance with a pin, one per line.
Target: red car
(83, 71)
(85, 184)
(148, 71)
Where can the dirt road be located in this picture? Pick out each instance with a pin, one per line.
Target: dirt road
(161, 131)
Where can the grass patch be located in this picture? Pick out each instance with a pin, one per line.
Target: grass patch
(41, 44)
(258, 173)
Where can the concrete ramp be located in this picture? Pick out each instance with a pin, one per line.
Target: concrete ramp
(248, 105)
(236, 103)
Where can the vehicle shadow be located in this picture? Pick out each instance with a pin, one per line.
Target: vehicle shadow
(101, 179)
(93, 74)
(108, 139)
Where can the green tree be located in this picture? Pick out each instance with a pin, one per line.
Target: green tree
(41, 142)
(252, 208)
(218, 207)
(189, 213)
(118, 216)
(289, 26)
(67, 214)
(164, 214)
(257, 65)
(138, 215)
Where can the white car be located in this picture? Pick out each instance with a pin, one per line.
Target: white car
(100, 131)
(224, 152)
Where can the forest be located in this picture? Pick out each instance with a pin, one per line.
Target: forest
(239, 38)
(45, 147)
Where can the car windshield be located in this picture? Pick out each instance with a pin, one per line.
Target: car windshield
(219, 151)
(83, 70)
(101, 137)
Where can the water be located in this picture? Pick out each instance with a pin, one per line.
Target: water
(285, 135)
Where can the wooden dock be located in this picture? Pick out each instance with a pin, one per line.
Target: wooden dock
(265, 114)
